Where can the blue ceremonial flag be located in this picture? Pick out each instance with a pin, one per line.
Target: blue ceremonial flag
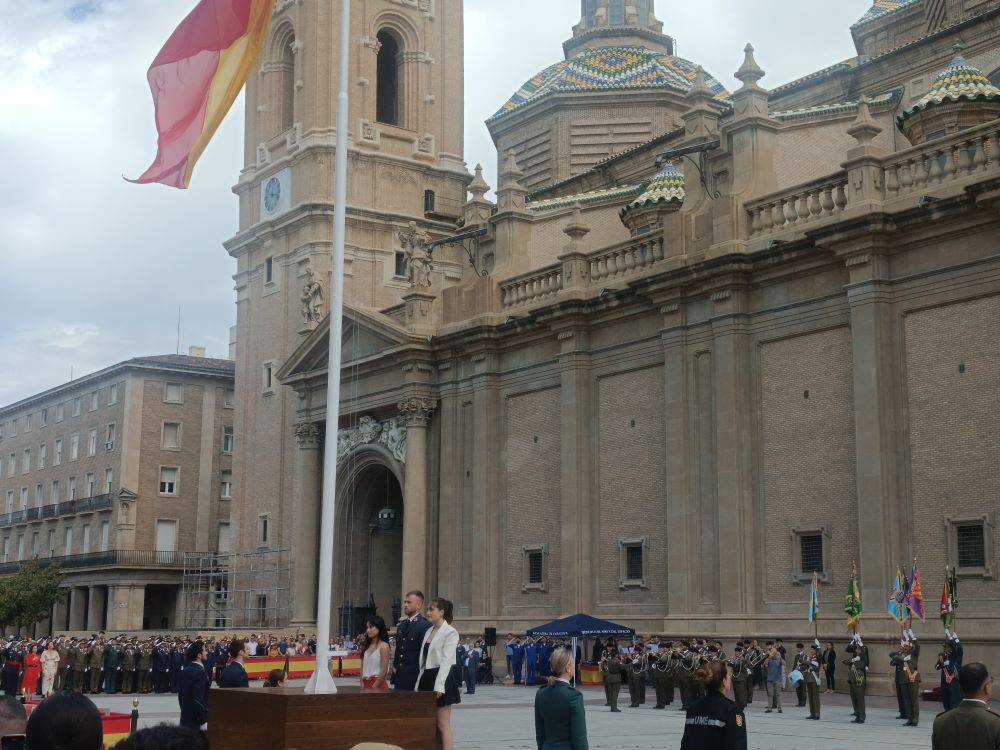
(897, 599)
(814, 598)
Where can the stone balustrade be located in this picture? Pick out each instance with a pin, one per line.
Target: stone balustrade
(798, 206)
(530, 288)
(975, 151)
(627, 258)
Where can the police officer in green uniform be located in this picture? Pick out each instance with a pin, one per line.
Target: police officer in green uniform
(972, 723)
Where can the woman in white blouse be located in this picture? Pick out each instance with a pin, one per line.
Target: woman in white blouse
(437, 666)
(375, 662)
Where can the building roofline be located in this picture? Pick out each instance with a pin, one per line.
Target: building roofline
(156, 363)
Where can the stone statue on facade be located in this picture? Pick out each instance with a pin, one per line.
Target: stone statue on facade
(390, 433)
(312, 299)
(414, 241)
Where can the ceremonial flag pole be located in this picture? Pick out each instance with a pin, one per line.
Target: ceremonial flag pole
(852, 602)
(321, 680)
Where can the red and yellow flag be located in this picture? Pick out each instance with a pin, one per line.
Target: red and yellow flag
(196, 78)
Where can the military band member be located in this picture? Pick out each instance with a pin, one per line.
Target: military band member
(663, 666)
(811, 674)
(611, 667)
(685, 671)
(799, 663)
(741, 677)
(80, 667)
(857, 677)
(636, 673)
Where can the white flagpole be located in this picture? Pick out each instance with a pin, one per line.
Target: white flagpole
(321, 680)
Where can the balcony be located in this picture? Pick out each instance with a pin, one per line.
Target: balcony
(66, 508)
(116, 558)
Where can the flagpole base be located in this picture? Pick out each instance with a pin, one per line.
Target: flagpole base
(320, 683)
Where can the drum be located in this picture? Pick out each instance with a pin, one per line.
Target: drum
(795, 677)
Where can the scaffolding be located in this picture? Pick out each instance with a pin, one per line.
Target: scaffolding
(235, 591)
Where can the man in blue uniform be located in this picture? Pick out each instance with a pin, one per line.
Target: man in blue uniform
(235, 675)
(517, 660)
(531, 661)
(409, 638)
(544, 653)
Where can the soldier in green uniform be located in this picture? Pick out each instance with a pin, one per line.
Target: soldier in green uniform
(611, 666)
(80, 667)
(972, 723)
(913, 681)
(741, 678)
(663, 675)
(857, 677)
(95, 663)
(811, 678)
(128, 667)
(685, 671)
(144, 666)
(112, 666)
(636, 674)
(62, 648)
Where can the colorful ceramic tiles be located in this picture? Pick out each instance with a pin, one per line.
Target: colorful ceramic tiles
(609, 68)
(665, 187)
(882, 7)
(960, 80)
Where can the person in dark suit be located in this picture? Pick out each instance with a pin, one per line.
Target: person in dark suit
(192, 688)
(235, 674)
(948, 664)
(560, 723)
(971, 724)
(409, 637)
(177, 652)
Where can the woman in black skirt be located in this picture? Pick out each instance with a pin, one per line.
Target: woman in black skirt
(437, 666)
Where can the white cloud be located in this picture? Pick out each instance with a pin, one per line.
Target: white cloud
(92, 269)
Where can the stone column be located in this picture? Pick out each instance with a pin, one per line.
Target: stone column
(417, 412)
(307, 493)
(78, 608)
(96, 603)
(60, 611)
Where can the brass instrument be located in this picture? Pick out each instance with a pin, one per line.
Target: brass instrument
(756, 657)
(638, 663)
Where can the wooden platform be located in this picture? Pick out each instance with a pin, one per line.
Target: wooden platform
(288, 719)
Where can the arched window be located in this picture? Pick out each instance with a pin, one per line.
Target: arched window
(387, 87)
(287, 103)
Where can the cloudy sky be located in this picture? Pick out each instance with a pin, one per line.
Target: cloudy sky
(93, 269)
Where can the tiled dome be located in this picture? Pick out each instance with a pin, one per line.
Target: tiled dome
(609, 69)
(666, 187)
(880, 8)
(960, 80)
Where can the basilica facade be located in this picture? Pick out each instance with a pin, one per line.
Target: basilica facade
(703, 344)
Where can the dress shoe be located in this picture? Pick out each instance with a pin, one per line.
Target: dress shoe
(616, 710)
(767, 711)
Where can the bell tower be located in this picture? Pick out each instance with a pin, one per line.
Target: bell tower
(405, 164)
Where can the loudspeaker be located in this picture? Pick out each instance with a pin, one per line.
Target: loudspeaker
(491, 636)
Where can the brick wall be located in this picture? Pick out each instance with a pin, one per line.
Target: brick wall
(808, 453)
(954, 428)
(533, 506)
(631, 482)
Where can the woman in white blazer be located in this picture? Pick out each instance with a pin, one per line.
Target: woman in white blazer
(437, 666)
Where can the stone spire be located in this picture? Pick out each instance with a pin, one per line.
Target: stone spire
(750, 72)
(477, 208)
(511, 194)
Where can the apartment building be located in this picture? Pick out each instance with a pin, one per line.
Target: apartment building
(115, 476)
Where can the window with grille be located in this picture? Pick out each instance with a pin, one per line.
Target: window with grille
(812, 553)
(632, 563)
(534, 567)
(971, 546)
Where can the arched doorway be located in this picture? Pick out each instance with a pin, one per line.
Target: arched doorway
(371, 543)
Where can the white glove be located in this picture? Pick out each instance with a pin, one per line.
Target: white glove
(856, 658)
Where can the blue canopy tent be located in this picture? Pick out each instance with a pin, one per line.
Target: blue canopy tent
(581, 626)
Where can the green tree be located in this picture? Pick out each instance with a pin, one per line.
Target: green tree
(27, 596)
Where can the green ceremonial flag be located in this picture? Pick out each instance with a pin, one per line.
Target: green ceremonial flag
(852, 602)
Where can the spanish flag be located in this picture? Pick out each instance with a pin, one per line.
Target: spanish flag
(196, 78)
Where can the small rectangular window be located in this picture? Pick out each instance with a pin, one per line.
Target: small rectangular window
(24, 498)
(43, 418)
(72, 489)
(52, 542)
(400, 267)
(633, 563)
(535, 567)
(267, 377)
(113, 394)
(92, 442)
(26, 461)
(43, 450)
(39, 495)
(95, 400)
(55, 490)
(812, 553)
(11, 465)
(60, 412)
(109, 480)
(173, 393)
(262, 530)
(68, 538)
(76, 406)
(74, 446)
(28, 420)
(168, 480)
(89, 483)
(971, 546)
(57, 452)
(109, 437)
(268, 270)
(10, 501)
(230, 399)
(171, 436)
(228, 440)
(226, 484)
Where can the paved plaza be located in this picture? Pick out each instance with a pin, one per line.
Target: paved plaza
(501, 717)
